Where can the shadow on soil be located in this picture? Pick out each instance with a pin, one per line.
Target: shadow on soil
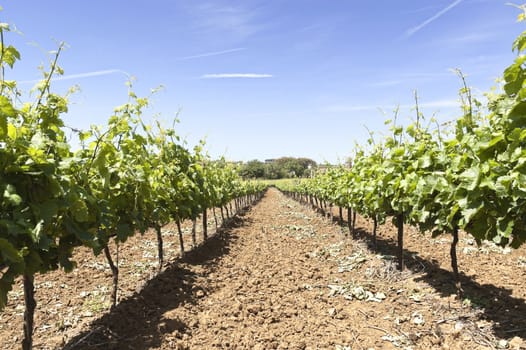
(138, 322)
(498, 304)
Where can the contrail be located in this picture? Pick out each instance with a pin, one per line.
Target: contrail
(413, 30)
(208, 54)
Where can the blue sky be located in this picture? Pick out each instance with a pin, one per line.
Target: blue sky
(264, 79)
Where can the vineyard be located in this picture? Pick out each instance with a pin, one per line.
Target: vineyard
(126, 177)
(281, 276)
(134, 240)
(468, 177)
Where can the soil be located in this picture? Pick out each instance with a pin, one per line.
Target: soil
(281, 276)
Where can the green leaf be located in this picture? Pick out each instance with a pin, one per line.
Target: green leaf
(6, 111)
(11, 131)
(495, 140)
(123, 231)
(6, 284)
(47, 210)
(6, 108)
(11, 196)
(425, 161)
(470, 178)
(10, 227)
(520, 43)
(11, 54)
(3, 127)
(9, 252)
(505, 227)
(80, 211)
(84, 135)
(87, 238)
(518, 115)
(37, 231)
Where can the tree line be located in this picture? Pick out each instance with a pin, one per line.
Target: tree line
(280, 168)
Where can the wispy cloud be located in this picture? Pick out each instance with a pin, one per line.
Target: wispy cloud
(236, 75)
(459, 40)
(350, 108)
(386, 83)
(213, 53)
(418, 10)
(97, 73)
(230, 22)
(412, 31)
(438, 104)
(444, 103)
(472, 38)
(395, 78)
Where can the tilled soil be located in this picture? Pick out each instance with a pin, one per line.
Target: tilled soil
(283, 277)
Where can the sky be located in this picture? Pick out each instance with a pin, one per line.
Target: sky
(265, 79)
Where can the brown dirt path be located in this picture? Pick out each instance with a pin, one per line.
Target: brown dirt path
(284, 277)
(259, 286)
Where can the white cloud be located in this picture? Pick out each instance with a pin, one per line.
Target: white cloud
(444, 103)
(418, 10)
(412, 31)
(350, 108)
(438, 104)
(236, 22)
(80, 76)
(235, 75)
(208, 54)
(470, 38)
(386, 83)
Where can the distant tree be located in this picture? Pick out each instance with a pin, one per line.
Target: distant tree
(272, 171)
(349, 162)
(294, 167)
(306, 164)
(253, 169)
(284, 167)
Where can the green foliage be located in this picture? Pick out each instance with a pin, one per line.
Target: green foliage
(473, 180)
(127, 177)
(253, 169)
(284, 167)
(43, 215)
